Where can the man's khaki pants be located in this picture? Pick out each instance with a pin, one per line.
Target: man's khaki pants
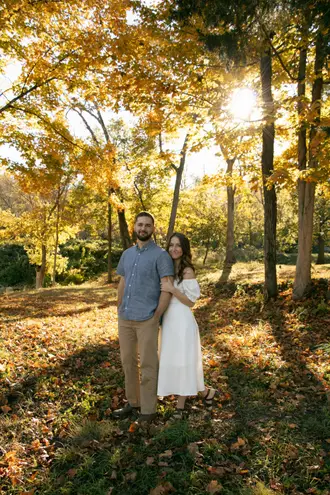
(140, 337)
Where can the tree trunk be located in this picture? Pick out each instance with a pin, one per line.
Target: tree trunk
(206, 251)
(320, 256)
(230, 258)
(306, 190)
(176, 195)
(41, 269)
(123, 228)
(109, 243)
(250, 234)
(267, 160)
(56, 242)
(322, 221)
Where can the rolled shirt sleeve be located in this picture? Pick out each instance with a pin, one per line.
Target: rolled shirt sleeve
(120, 268)
(165, 266)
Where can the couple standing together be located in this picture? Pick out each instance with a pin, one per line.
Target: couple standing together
(157, 283)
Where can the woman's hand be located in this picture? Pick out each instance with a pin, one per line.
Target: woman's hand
(167, 286)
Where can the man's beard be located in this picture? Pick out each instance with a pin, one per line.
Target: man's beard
(144, 237)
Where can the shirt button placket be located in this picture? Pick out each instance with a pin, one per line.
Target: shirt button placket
(130, 285)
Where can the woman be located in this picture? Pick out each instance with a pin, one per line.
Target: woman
(180, 362)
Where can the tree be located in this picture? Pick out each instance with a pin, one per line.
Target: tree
(226, 29)
(44, 176)
(144, 76)
(178, 178)
(11, 197)
(307, 35)
(143, 172)
(201, 215)
(267, 166)
(58, 43)
(104, 147)
(306, 183)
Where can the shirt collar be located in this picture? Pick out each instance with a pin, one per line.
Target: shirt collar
(147, 246)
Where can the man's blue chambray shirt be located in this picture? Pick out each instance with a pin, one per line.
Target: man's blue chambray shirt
(142, 270)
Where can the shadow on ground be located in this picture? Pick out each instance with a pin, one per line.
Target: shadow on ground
(55, 302)
(281, 405)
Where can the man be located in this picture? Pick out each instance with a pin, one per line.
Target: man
(140, 306)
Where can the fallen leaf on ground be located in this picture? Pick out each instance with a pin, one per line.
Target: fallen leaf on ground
(33, 476)
(214, 487)
(162, 489)
(132, 427)
(5, 409)
(72, 473)
(193, 449)
(106, 364)
(240, 443)
(131, 476)
(167, 453)
(216, 470)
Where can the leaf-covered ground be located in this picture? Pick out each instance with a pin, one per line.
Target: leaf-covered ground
(60, 378)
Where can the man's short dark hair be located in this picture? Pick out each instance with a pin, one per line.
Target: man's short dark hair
(144, 214)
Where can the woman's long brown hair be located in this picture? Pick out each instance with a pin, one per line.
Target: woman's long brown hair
(185, 260)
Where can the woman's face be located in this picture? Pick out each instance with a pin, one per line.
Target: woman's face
(175, 248)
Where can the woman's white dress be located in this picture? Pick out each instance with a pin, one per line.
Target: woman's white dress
(180, 358)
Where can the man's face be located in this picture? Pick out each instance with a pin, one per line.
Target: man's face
(144, 228)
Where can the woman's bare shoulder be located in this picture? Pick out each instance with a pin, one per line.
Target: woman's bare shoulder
(188, 273)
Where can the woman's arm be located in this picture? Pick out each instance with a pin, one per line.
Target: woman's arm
(164, 299)
(167, 286)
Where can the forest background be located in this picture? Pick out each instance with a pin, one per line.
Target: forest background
(246, 80)
(104, 107)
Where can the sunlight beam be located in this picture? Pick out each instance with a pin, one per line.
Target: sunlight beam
(242, 103)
